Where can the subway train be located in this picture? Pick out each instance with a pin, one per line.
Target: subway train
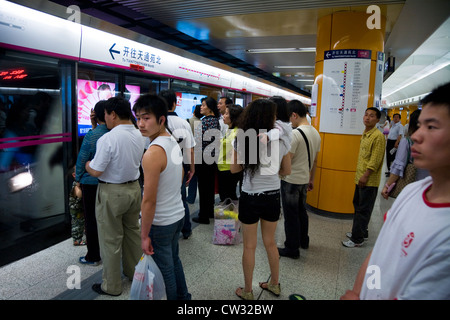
(53, 70)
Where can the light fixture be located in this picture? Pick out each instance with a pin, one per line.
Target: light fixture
(20, 181)
(294, 67)
(281, 50)
(305, 80)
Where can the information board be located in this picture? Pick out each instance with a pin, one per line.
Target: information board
(345, 91)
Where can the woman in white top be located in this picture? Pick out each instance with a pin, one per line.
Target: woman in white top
(260, 196)
(162, 209)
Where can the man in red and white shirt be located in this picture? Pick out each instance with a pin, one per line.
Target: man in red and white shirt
(411, 257)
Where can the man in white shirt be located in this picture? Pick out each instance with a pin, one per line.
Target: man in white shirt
(116, 165)
(304, 150)
(393, 139)
(222, 106)
(181, 131)
(411, 257)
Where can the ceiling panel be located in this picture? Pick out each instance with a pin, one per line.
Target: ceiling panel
(223, 30)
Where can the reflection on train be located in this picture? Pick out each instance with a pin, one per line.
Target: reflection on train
(47, 90)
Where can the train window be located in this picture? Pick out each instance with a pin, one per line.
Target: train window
(135, 87)
(31, 142)
(198, 88)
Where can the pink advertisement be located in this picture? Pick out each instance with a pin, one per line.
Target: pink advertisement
(90, 92)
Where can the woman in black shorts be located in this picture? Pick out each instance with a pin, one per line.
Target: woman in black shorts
(262, 163)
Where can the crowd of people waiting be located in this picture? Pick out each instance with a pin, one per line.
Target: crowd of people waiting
(254, 152)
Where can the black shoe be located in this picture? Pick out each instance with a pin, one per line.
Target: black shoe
(97, 287)
(286, 253)
(201, 221)
(187, 235)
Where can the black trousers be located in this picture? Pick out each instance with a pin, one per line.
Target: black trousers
(363, 202)
(390, 157)
(227, 184)
(206, 174)
(296, 220)
(90, 222)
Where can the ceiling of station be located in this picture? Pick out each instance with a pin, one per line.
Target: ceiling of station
(224, 31)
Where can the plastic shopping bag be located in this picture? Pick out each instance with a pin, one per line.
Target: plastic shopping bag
(148, 282)
(227, 231)
(227, 227)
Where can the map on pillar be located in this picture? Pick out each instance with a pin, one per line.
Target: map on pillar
(345, 90)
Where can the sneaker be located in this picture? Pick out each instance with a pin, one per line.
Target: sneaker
(350, 244)
(83, 260)
(349, 235)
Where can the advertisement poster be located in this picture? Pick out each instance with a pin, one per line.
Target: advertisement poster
(186, 103)
(345, 91)
(90, 92)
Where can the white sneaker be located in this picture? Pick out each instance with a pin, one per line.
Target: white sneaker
(350, 244)
(349, 235)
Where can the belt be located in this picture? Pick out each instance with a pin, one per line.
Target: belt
(265, 193)
(131, 181)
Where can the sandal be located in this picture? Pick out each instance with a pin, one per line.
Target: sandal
(275, 289)
(244, 295)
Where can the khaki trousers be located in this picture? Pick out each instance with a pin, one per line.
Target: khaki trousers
(117, 211)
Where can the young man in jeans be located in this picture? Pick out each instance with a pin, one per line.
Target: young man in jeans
(367, 177)
(295, 186)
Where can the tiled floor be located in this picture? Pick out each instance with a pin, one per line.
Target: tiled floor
(323, 272)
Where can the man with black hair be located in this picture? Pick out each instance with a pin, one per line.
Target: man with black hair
(305, 146)
(411, 257)
(181, 131)
(116, 165)
(393, 139)
(367, 177)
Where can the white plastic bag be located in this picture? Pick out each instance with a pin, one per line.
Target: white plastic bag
(148, 282)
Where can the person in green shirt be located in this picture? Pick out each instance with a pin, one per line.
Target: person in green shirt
(228, 181)
(367, 177)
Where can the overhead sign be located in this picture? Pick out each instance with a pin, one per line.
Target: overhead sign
(345, 91)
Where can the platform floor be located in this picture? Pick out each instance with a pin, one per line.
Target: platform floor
(213, 272)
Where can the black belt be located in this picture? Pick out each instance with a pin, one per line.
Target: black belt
(131, 181)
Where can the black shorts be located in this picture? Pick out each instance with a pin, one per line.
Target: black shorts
(253, 207)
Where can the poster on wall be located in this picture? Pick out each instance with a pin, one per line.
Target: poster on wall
(186, 103)
(89, 93)
(345, 91)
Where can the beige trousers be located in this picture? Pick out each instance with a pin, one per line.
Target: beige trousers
(117, 211)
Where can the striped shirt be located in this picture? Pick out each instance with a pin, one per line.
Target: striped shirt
(371, 155)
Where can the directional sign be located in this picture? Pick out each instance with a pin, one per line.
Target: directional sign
(111, 51)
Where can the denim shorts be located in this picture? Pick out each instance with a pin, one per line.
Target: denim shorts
(265, 205)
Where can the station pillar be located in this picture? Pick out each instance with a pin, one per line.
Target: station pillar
(336, 164)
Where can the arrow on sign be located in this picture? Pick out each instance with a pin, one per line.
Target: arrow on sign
(111, 51)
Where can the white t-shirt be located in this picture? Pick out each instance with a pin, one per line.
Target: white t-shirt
(300, 167)
(181, 131)
(266, 178)
(119, 154)
(412, 252)
(169, 206)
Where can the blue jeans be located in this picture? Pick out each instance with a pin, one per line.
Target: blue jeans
(187, 227)
(296, 221)
(165, 245)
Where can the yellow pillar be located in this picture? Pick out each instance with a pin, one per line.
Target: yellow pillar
(336, 165)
